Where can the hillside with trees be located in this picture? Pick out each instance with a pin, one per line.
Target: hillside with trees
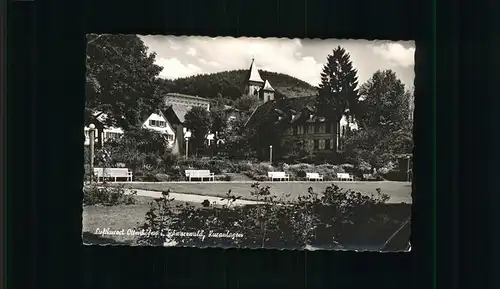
(231, 84)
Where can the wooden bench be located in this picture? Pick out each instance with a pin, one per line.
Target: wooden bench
(314, 176)
(199, 174)
(345, 177)
(278, 175)
(113, 173)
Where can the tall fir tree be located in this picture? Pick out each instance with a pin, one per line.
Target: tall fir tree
(337, 91)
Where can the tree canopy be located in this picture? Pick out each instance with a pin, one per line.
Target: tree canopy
(385, 101)
(121, 80)
(197, 120)
(385, 126)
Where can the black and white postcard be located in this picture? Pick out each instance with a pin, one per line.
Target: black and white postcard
(229, 142)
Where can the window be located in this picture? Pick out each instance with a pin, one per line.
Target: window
(322, 128)
(170, 137)
(300, 129)
(112, 135)
(316, 128)
(321, 144)
(310, 129)
(316, 144)
(310, 144)
(295, 130)
(327, 144)
(157, 123)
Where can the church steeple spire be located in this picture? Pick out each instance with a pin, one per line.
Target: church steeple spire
(254, 73)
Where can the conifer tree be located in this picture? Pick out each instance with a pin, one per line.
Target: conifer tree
(337, 91)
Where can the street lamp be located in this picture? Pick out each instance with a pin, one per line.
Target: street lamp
(91, 146)
(408, 169)
(270, 154)
(187, 135)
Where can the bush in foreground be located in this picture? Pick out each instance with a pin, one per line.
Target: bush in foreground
(336, 217)
(106, 196)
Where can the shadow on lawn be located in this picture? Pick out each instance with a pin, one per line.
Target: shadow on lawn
(93, 239)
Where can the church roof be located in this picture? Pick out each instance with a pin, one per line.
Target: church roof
(267, 86)
(271, 108)
(254, 73)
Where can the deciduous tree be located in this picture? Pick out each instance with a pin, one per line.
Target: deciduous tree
(197, 120)
(385, 124)
(121, 81)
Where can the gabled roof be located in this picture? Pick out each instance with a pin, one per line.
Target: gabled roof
(145, 117)
(254, 73)
(171, 116)
(267, 86)
(272, 107)
(179, 111)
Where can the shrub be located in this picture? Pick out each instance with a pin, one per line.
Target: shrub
(328, 171)
(301, 174)
(216, 166)
(107, 196)
(336, 217)
(162, 177)
(224, 178)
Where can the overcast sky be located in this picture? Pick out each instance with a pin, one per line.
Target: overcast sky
(301, 58)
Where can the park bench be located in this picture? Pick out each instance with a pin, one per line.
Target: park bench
(314, 176)
(113, 173)
(278, 175)
(345, 177)
(199, 174)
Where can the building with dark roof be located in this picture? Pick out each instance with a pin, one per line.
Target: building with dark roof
(292, 118)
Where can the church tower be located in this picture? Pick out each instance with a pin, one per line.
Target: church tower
(254, 82)
(267, 91)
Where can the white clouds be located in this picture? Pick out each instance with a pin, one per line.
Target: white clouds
(396, 53)
(173, 68)
(303, 59)
(174, 45)
(209, 63)
(273, 54)
(191, 51)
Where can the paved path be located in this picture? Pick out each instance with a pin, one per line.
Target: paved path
(193, 198)
(397, 191)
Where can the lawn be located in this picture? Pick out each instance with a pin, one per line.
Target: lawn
(397, 191)
(116, 218)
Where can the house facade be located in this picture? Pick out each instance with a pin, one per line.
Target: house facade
(169, 121)
(292, 118)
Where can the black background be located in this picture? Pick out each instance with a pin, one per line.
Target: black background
(44, 117)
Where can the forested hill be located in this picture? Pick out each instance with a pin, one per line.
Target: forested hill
(231, 84)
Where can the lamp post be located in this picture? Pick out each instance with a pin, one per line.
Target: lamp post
(91, 146)
(187, 135)
(408, 169)
(270, 154)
